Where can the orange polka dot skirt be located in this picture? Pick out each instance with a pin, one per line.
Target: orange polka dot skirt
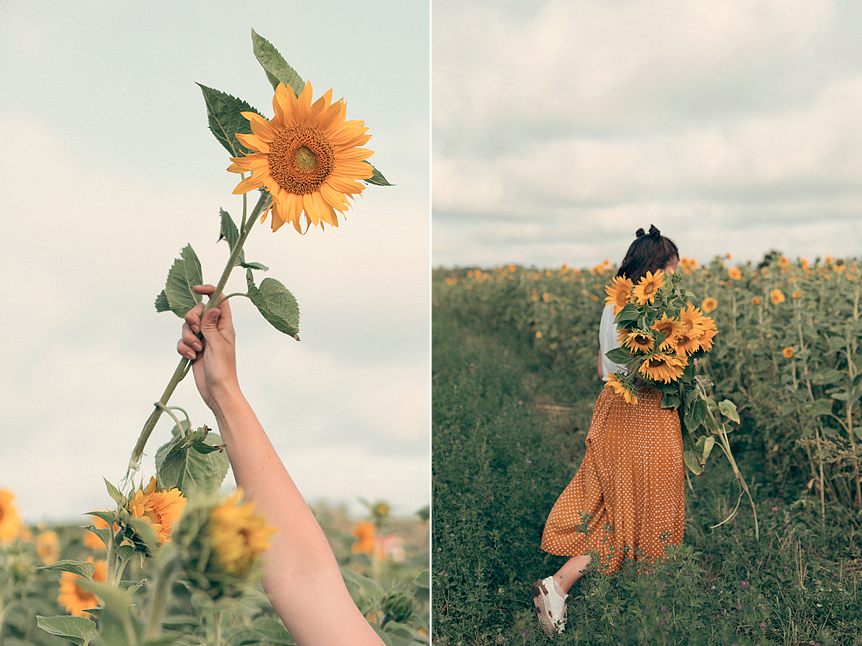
(629, 492)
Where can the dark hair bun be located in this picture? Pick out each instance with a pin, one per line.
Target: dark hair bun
(639, 233)
(655, 233)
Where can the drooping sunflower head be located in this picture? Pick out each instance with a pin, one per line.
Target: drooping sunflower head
(709, 332)
(627, 391)
(663, 367)
(685, 344)
(10, 521)
(648, 286)
(307, 156)
(619, 293)
(161, 508)
(238, 534)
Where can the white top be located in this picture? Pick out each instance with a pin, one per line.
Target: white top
(608, 341)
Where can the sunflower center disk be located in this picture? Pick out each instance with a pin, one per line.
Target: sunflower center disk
(300, 159)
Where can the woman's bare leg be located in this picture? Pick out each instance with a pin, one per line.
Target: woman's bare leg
(571, 571)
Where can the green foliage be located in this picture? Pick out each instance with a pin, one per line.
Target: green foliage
(276, 304)
(276, 68)
(224, 113)
(178, 295)
(78, 630)
(192, 462)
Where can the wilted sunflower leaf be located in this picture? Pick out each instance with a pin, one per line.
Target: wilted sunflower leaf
(692, 462)
(78, 630)
(81, 568)
(225, 119)
(276, 68)
(184, 274)
(276, 304)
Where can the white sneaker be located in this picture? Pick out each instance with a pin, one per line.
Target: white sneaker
(551, 605)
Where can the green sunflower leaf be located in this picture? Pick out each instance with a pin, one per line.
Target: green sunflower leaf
(276, 304)
(229, 232)
(184, 274)
(78, 630)
(162, 304)
(276, 68)
(618, 355)
(692, 462)
(728, 409)
(194, 472)
(81, 568)
(224, 113)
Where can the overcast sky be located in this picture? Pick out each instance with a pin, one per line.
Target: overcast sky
(110, 170)
(560, 127)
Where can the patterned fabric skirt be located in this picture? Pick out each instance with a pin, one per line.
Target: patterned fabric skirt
(628, 496)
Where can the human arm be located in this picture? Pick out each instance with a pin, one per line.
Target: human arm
(301, 575)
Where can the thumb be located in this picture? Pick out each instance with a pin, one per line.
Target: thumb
(209, 324)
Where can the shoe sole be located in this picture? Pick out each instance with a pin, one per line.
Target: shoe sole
(540, 593)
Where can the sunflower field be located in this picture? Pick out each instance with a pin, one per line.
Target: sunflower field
(515, 380)
(46, 599)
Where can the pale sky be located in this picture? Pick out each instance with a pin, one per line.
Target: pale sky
(110, 170)
(561, 127)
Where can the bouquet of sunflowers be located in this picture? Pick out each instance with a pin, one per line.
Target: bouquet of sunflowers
(661, 336)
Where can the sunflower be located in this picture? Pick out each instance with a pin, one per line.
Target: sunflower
(684, 344)
(619, 293)
(161, 508)
(648, 286)
(238, 534)
(755, 301)
(620, 388)
(797, 294)
(73, 597)
(364, 532)
(734, 273)
(307, 157)
(709, 332)
(663, 367)
(708, 304)
(48, 547)
(776, 296)
(670, 327)
(692, 320)
(636, 340)
(10, 521)
(788, 352)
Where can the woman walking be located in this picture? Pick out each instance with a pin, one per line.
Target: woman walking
(628, 496)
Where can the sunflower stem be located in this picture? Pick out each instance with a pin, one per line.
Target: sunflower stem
(183, 366)
(160, 596)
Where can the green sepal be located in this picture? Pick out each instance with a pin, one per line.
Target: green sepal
(254, 265)
(376, 178)
(224, 113)
(115, 493)
(104, 534)
(184, 274)
(109, 517)
(81, 568)
(276, 68)
(78, 630)
(276, 304)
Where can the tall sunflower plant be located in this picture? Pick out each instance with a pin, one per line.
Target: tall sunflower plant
(662, 335)
(307, 163)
